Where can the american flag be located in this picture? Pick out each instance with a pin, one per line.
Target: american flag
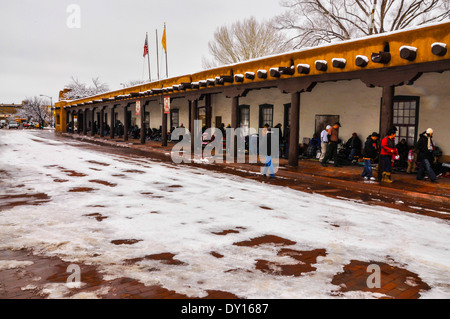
(146, 45)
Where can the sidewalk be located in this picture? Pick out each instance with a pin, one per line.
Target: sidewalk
(312, 177)
(28, 276)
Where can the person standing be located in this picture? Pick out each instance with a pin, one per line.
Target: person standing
(370, 152)
(324, 142)
(387, 151)
(332, 145)
(267, 140)
(426, 149)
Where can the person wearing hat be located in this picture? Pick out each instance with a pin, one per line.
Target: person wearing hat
(425, 147)
(369, 153)
(332, 145)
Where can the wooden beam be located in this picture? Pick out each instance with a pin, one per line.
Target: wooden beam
(294, 129)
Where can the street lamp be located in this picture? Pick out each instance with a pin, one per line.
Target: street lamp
(51, 109)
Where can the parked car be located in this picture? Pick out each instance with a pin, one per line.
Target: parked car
(13, 125)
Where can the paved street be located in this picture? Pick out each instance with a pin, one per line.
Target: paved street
(138, 227)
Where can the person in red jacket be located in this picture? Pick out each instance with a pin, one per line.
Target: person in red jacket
(388, 150)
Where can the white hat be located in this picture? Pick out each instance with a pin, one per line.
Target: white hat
(429, 131)
(328, 127)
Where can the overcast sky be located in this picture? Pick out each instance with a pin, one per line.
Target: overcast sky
(39, 52)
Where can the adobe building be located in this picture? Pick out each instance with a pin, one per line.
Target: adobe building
(370, 84)
(9, 110)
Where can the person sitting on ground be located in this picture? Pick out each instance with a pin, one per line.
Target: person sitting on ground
(402, 148)
(370, 152)
(354, 145)
(313, 146)
(412, 160)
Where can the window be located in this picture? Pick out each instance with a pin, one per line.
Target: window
(265, 115)
(174, 118)
(244, 118)
(406, 110)
(287, 118)
(323, 120)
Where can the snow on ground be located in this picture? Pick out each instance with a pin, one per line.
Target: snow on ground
(144, 201)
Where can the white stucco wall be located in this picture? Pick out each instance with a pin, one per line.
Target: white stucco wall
(357, 106)
(434, 106)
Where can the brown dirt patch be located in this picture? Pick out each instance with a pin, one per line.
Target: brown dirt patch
(103, 182)
(71, 173)
(98, 163)
(125, 241)
(226, 232)
(216, 254)
(46, 270)
(81, 190)
(165, 258)
(9, 201)
(265, 207)
(396, 282)
(99, 217)
(58, 180)
(305, 261)
(135, 171)
(267, 239)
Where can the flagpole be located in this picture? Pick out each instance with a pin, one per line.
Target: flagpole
(148, 57)
(157, 55)
(165, 50)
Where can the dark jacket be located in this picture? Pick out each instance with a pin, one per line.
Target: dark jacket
(370, 148)
(422, 148)
(267, 142)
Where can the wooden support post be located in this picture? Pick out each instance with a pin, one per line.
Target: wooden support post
(194, 106)
(111, 131)
(92, 122)
(234, 120)
(164, 125)
(143, 128)
(387, 110)
(386, 118)
(102, 120)
(85, 121)
(294, 129)
(208, 111)
(125, 123)
(78, 121)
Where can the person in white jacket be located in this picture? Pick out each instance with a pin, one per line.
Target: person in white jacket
(324, 142)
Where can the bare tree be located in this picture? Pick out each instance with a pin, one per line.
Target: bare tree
(323, 21)
(244, 40)
(79, 90)
(34, 109)
(133, 83)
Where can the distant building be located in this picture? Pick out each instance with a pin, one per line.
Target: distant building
(9, 110)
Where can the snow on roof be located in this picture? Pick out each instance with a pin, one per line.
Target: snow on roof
(408, 47)
(325, 45)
